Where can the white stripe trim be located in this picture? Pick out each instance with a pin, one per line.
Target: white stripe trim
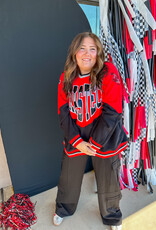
(111, 154)
(76, 141)
(95, 145)
(85, 75)
(71, 154)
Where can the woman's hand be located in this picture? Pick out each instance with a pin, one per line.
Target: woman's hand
(85, 147)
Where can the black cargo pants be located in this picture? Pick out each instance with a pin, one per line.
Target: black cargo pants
(108, 187)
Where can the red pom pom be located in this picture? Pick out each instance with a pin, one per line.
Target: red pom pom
(17, 213)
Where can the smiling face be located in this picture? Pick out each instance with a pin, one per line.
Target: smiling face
(86, 55)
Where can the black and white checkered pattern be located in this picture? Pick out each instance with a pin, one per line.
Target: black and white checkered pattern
(111, 47)
(140, 87)
(104, 44)
(135, 175)
(137, 145)
(153, 104)
(133, 55)
(150, 100)
(143, 133)
(139, 23)
(131, 158)
(127, 151)
(147, 103)
(141, 94)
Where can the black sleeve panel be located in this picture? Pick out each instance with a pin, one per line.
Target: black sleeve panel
(107, 135)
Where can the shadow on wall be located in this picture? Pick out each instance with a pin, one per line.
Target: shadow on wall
(35, 36)
(5, 179)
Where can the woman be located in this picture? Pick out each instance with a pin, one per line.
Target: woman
(89, 108)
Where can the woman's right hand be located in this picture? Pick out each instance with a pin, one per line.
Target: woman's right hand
(85, 147)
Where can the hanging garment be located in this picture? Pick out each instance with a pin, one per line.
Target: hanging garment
(135, 31)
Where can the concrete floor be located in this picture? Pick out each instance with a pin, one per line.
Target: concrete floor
(87, 216)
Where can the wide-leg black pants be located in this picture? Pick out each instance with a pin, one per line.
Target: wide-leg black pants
(108, 187)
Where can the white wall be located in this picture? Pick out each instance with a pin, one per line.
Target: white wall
(5, 179)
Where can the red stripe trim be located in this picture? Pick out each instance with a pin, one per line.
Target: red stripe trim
(72, 140)
(77, 153)
(120, 146)
(94, 147)
(100, 154)
(112, 153)
(78, 142)
(98, 145)
(72, 152)
(107, 156)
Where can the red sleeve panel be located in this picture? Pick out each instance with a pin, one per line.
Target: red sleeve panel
(112, 88)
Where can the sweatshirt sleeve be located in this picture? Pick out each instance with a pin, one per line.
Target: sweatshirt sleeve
(107, 135)
(68, 125)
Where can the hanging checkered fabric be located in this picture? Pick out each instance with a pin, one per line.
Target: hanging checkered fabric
(111, 47)
(142, 104)
(139, 23)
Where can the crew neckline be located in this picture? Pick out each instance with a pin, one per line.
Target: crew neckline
(84, 75)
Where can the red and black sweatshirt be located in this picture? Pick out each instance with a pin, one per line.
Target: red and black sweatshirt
(93, 115)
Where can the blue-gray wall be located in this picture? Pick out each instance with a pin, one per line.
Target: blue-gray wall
(34, 39)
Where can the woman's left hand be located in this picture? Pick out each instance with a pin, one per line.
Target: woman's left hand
(85, 147)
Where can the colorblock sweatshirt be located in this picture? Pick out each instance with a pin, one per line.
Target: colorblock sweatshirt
(94, 116)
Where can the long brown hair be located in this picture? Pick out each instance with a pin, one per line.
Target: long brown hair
(71, 68)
